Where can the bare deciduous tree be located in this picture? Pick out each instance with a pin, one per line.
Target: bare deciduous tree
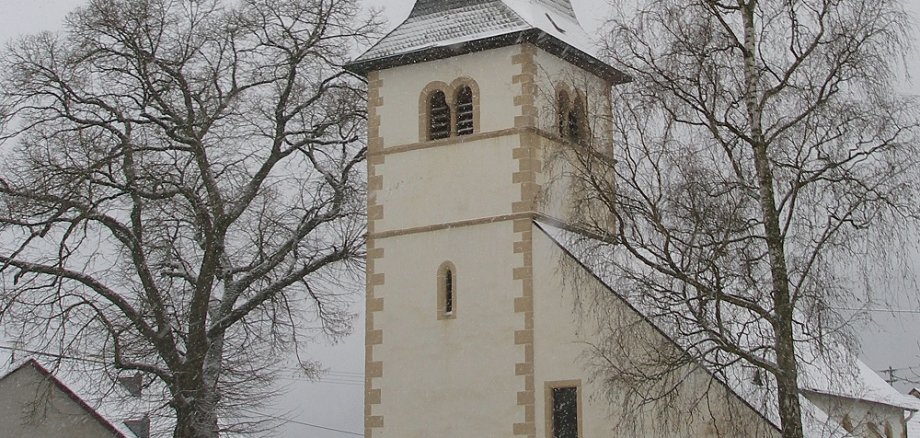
(759, 145)
(181, 191)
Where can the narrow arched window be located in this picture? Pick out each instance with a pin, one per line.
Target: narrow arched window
(465, 111)
(447, 291)
(562, 112)
(438, 116)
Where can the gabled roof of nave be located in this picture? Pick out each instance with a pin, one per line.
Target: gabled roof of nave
(438, 29)
(829, 369)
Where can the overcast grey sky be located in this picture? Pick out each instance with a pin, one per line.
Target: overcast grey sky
(337, 403)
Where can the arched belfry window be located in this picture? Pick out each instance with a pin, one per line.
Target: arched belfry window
(447, 291)
(449, 110)
(465, 111)
(438, 116)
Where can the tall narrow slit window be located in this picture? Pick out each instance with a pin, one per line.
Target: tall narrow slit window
(465, 111)
(438, 116)
(447, 291)
(564, 403)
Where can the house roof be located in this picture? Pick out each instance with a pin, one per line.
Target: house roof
(832, 371)
(44, 373)
(438, 29)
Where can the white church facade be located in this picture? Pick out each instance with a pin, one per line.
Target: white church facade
(472, 330)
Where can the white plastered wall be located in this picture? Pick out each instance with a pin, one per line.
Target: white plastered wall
(454, 377)
(447, 184)
(491, 69)
(862, 414)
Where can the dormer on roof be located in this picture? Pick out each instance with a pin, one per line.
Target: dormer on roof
(437, 29)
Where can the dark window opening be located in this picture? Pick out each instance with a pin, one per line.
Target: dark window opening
(465, 111)
(565, 412)
(438, 116)
(448, 292)
(562, 111)
(576, 122)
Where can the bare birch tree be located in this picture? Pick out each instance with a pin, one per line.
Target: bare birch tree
(758, 148)
(181, 191)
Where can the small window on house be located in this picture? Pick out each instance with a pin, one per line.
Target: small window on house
(565, 412)
(438, 116)
(465, 111)
(447, 291)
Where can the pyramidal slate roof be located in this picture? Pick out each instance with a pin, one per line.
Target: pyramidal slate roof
(437, 29)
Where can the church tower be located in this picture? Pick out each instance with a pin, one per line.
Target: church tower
(464, 335)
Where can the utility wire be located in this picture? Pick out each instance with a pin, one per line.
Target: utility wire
(303, 423)
(857, 309)
(54, 355)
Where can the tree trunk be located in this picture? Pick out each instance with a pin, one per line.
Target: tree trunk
(787, 377)
(196, 418)
(790, 412)
(195, 403)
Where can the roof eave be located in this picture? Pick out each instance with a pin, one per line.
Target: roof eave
(535, 36)
(858, 399)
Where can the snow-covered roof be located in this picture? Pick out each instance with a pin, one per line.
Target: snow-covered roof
(830, 370)
(440, 28)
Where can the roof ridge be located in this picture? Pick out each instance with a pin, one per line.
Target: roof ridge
(428, 7)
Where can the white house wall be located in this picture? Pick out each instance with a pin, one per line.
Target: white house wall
(33, 406)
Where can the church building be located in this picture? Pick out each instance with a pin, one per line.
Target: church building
(472, 329)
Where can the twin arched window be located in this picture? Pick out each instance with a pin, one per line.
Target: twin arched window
(570, 116)
(452, 115)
